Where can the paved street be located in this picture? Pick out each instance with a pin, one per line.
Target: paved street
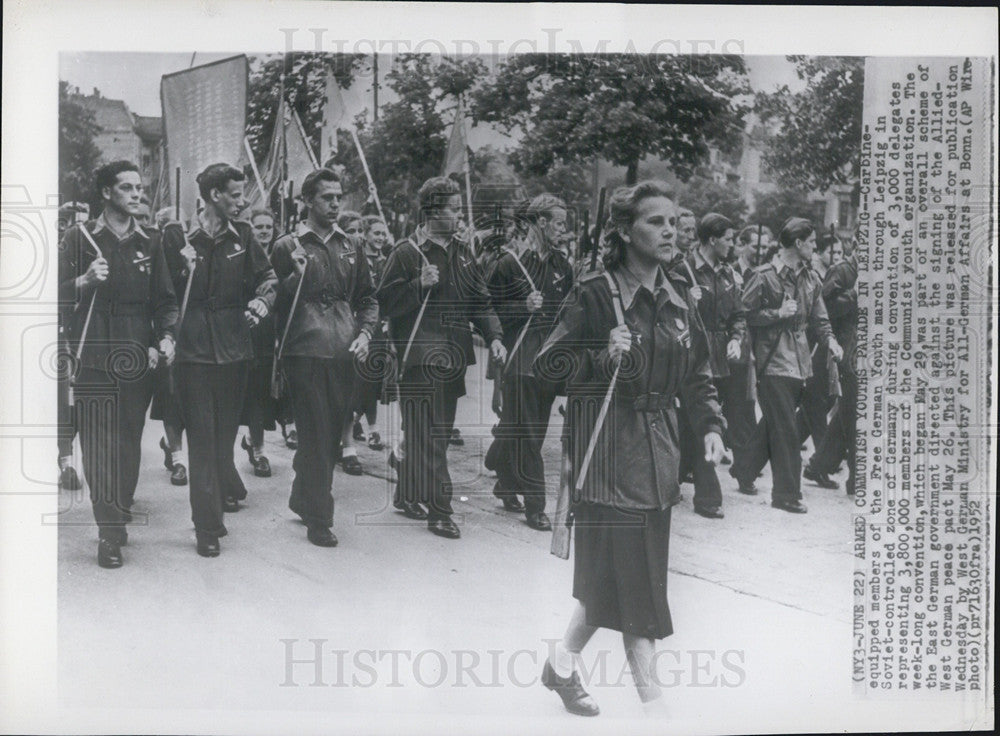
(760, 600)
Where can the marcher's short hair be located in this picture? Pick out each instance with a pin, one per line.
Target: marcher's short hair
(435, 192)
(713, 225)
(683, 212)
(217, 176)
(310, 185)
(107, 175)
(748, 235)
(622, 208)
(543, 206)
(797, 228)
(371, 220)
(348, 216)
(261, 212)
(822, 243)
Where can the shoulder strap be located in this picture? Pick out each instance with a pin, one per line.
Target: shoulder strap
(616, 298)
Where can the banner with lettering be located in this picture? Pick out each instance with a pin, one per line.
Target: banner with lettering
(204, 121)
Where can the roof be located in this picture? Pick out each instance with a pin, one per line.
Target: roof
(149, 128)
(111, 115)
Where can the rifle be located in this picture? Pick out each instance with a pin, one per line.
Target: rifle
(598, 226)
(584, 245)
(276, 384)
(751, 368)
(562, 522)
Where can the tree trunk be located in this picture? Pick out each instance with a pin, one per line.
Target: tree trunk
(632, 173)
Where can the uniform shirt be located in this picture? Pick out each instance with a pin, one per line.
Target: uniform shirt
(637, 457)
(841, 298)
(444, 337)
(337, 301)
(784, 339)
(721, 309)
(231, 270)
(552, 276)
(134, 308)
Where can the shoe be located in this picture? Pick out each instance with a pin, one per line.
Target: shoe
(321, 536)
(455, 438)
(263, 467)
(747, 488)
(251, 455)
(539, 520)
(792, 507)
(821, 479)
(412, 510)
(570, 691)
(512, 504)
(375, 442)
(687, 478)
(168, 456)
(352, 466)
(444, 528)
(359, 433)
(709, 512)
(230, 505)
(68, 479)
(292, 440)
(179, 476)
(393, 460)
(727, 458)
(208, 544)
(109, 554)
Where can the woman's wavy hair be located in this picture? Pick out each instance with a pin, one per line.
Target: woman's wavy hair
(622, 210)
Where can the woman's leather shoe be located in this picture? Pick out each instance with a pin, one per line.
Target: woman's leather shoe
(109, 554)
(444, 528)
(262, 468)
(571, 692)
(321, 536)
(352, 466)
(179, 475)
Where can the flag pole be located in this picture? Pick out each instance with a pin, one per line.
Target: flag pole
(368, 174)
(468, 179)
(256, 172)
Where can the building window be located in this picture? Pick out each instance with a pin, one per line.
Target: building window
(844, 215)
(819, 214)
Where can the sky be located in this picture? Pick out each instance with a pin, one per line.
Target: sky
(115, 75)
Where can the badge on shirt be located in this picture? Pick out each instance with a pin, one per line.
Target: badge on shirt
(684, 338)
(679, 322)
(237, 251)
(141, 261)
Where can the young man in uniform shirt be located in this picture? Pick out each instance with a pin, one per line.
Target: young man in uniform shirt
(433, 283)
(720, 307)
(124, 287)
(331, 327)
(782, 299)
(527, 403)
(232, 289)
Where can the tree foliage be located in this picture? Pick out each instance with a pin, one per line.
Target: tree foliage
(776, 207)
(702, 195)
(79, 156)
(620, 107)
(816, 138)
(407, 144)
(305, 84)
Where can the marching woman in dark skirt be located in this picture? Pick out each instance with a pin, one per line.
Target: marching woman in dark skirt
(629, 329)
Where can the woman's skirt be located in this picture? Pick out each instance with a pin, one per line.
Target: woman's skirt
(620, 569)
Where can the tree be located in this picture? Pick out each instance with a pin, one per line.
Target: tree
(816, 139)
(620, 107)
(79, 156)
(702, 195)
(775, 208)
(407, 144)
(305, 85)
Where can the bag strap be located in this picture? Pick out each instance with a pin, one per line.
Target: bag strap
(616, 298)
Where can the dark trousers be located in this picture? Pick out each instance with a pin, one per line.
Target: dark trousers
(739, 411)
(776, 438)
(210, 398)
(841, 435)
(707, 491)
(811, 416)
(111, 413)
(322, 398)
(428, 402)
(523, 423)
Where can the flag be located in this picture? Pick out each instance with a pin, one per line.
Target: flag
(289, 155)
(204, 119)
(456, 158)
(334, 118)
